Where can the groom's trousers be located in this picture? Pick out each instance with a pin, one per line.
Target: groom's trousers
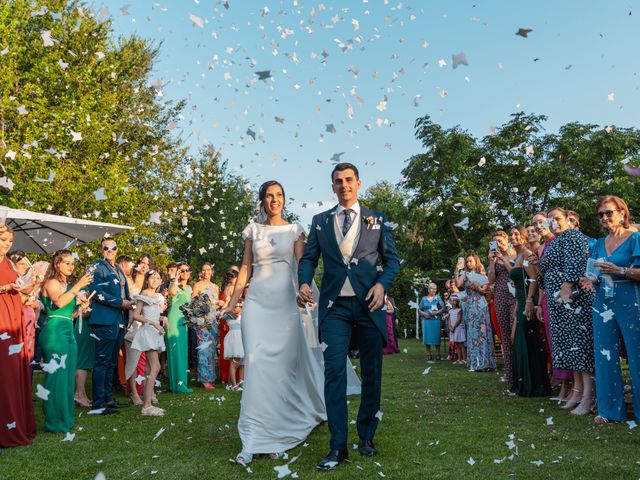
(348, 316)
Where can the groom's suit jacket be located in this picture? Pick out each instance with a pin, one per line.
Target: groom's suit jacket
(374, 244)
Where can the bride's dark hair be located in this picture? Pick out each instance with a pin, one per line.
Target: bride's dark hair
(262, 193)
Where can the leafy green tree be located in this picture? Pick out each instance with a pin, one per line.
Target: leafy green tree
(215, 206)
(82, 130)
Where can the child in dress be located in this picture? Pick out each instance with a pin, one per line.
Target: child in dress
(150, 336)
(457, 333)
(233, 349)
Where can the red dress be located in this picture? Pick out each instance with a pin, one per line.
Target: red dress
(17, 421)
(222, 332)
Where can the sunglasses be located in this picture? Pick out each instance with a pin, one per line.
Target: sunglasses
(184, 271)
(606, 213)
(106, 248)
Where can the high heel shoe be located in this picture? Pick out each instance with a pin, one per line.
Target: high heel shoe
(82, 403)
(581, 410)
(135, 399)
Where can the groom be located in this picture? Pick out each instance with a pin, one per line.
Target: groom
(351, 240)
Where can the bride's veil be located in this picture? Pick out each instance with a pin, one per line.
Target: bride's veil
(309, 319)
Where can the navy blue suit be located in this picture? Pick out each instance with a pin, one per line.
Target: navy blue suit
(108, 321)
(340, 316)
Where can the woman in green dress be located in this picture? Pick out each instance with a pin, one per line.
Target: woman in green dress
(177, 331)
(58, 341)
(530, 378)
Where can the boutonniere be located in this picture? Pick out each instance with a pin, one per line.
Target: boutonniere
(369, 221)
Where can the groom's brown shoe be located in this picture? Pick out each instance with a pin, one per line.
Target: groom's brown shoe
(333, 458)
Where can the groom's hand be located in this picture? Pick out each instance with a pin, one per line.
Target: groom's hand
(376, 295)
(305, 296)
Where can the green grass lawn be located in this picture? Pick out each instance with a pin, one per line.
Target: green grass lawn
(433, 425)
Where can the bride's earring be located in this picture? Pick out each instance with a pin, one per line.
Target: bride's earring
(622, 220)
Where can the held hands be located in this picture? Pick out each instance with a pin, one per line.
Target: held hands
(305, 296)
(225, 310)
(159, 328)
(529, 310)
(376, 294)
(127, 305)
(565, 292)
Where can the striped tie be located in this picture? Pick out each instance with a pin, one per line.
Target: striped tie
(347, 221)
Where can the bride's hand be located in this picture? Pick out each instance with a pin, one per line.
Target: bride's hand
(305, 296)
(224, 311)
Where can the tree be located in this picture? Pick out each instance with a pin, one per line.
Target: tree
(82, 130)
(215, 206)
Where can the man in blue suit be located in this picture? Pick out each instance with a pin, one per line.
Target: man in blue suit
(352, 240)
(108, 321)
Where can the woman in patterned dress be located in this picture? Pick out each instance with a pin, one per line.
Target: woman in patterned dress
(561, 268)
(500, 264)
(481, 355)
(564, 376)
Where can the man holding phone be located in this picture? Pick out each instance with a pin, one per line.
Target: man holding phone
(108, 321)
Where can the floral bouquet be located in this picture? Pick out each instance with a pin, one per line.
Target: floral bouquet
(200, 312)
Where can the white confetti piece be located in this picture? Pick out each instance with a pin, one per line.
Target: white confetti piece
(471, 461)
(99, 194)
(46, 38)
(196, 20)
(140, 379)
(379, 415)
(550, 421)
(158, 433)
(11, 425)
(15, 348)
(426, 371)
(537, 463)
(69, 437)
(632, 424)
(42, 393)
(283, 470)
(463, 224)
(4, 336)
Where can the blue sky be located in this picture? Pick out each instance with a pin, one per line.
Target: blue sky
(334, 65)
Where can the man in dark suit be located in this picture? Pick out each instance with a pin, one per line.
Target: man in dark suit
(351, 240)
(108, 321)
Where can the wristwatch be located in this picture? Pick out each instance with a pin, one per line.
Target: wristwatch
(623, 271)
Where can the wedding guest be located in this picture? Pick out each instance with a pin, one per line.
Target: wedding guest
(58, 341)
(500, 264)
(40, 267)
(533, 238)
(561, 267)
(564, 376)
(530, 377)
(207, 337)
(228, 284)
(481, 355)
(17, 420)
(431, 309)
(234, 349)
(86, 357)
(457, 334)
(108, 321)
(392, 346)
(27, 280)
(135, 365)
(616, 317)
(396, 321)
(126, 264)
(149, 338)
(574, 222)
(176, 332)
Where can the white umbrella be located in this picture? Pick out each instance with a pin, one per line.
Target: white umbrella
(45, 233)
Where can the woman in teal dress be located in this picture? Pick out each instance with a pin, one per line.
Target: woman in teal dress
(177, 332)
(616, 309)
(58, 342)
(530, 378)
(430, 309)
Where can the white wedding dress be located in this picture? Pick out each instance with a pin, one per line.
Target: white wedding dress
(283, 399)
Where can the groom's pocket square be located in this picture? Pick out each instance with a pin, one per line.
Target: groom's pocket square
(375, 227)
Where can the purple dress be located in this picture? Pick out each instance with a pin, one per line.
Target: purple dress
(505, 305)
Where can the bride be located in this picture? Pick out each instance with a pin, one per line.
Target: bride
(282, 400)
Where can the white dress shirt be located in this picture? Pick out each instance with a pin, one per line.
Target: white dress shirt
(356, 210)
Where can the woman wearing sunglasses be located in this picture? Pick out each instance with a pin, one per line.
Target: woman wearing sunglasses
(616, 314)
(177, 339)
